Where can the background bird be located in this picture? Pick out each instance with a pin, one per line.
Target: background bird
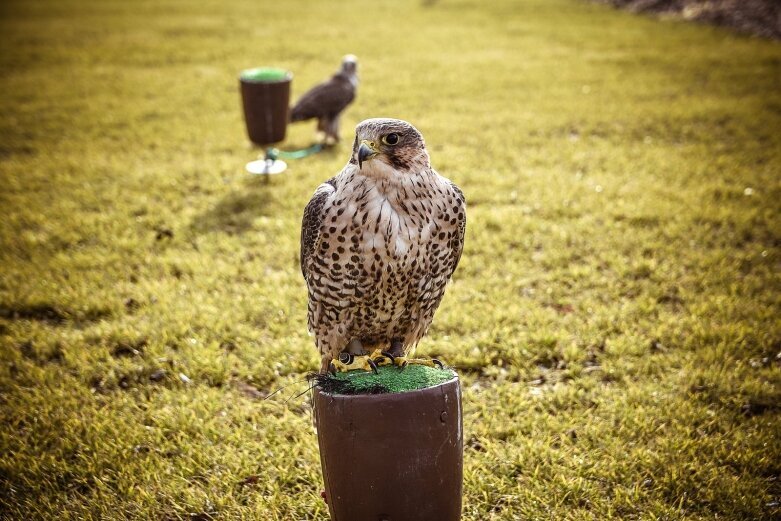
(327, 101)
(379, 242)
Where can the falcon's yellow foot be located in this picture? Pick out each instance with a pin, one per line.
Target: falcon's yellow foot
(378, 358)
(349, 362)
(402, 361)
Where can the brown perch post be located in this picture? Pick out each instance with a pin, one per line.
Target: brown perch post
(265, 96)
(392, 457)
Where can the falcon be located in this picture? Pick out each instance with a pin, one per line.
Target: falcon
(379, 243)
(327, 101)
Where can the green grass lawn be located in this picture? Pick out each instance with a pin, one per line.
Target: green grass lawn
(615, 317)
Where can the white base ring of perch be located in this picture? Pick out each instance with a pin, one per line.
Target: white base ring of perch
(266, 167)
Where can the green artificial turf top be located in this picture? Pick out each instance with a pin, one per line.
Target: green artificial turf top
(389, 379)
(265, 75)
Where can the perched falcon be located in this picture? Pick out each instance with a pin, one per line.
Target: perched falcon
(327, 100)
(379, 242)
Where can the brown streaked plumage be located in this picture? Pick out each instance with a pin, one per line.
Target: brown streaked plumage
(327, 101)
(379, 242)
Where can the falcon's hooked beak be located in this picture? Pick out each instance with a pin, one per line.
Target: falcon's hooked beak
(366, 151)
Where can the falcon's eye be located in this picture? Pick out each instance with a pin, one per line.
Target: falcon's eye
(391, 139)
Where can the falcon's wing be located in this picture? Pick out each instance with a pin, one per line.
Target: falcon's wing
(313, 220)
(326, 99)
(457, 242)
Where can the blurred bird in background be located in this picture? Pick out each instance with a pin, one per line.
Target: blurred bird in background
(329, 99)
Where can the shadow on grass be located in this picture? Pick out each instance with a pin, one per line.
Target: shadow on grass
(235, 213)
(49, 313)
(256, 196)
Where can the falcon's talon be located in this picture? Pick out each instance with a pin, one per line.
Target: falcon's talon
(372, 364)
(381, 358)
(389, 356)
(403, 361)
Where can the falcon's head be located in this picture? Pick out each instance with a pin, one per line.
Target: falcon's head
(349, 65)
(383, 144)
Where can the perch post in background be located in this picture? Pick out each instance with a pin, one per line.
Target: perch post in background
(265, 95)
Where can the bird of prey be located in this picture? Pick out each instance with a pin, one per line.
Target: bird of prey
(327, 101)
(379, 242)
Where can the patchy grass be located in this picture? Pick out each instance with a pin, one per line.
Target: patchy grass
(615, 314)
